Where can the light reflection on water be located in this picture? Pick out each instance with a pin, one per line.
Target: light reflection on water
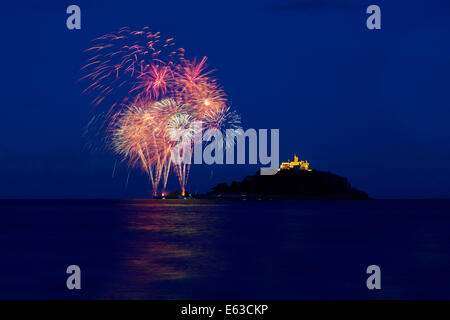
(172, 240)
(195, 249)
(148, 249)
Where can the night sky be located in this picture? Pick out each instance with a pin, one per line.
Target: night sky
(372, 106)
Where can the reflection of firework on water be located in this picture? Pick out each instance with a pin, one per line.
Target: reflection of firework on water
(154, 95)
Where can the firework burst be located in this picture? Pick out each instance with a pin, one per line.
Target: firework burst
(222, 118)
(153, 96)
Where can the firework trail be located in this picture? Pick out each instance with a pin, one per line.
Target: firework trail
(153, 96)
(222, 118)
(130, 64)
(181, 127)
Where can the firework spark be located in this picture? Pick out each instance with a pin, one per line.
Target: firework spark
(153, 96)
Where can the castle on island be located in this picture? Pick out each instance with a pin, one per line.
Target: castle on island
(295, 165)
(285, 166)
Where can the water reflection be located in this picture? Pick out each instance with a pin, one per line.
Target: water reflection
(166, 241)
(269, 250)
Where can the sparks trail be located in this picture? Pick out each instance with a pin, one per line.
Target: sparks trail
(153, 95)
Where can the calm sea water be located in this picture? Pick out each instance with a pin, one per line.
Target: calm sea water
(180, 249)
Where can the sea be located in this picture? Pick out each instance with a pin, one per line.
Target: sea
(212, 249)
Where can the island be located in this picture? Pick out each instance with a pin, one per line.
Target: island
(293, 180)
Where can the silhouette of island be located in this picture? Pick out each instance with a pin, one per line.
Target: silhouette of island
(294, 180)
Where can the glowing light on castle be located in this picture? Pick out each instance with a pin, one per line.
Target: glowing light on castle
(295, 165)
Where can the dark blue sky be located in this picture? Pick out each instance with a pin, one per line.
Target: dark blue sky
(372, 106)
